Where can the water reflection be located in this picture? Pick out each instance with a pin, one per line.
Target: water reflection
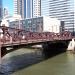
(61, 64)
(19, 59)
(23, 58)
(70, 56)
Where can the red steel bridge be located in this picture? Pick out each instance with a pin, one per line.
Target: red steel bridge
(12, 36)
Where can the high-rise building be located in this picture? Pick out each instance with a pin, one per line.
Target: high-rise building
(61, 9)
(23, 8)
(0, 10)
(36, 8)
(15, 7)
(27, 8)
(45, 7)
(5, 12)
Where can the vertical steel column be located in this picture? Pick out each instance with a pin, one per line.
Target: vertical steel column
(0, 56)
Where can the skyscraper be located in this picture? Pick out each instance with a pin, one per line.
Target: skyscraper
(45, 7)
(23, 8)
(61, 9)
(0, 10)
(27, 8)
(36, 8)
(5, 12)
(15, 7)
(29, 5)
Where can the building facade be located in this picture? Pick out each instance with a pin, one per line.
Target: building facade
(45, 7)
(27, 8)
(15, 7)
(38, 24)
(0, 10)
(61, 9)
(8, 19)
(23, 8)
(36, 8)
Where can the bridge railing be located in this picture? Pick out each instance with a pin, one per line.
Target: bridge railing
(11, 35)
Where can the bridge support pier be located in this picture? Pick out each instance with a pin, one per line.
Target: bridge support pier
(71, 46)
(3, 51)
(53, 48)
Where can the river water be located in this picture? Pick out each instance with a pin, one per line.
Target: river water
(26, 61)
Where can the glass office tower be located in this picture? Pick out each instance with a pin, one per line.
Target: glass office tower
(45, 7)
(28, 4)
(61, 9)
(23, 8)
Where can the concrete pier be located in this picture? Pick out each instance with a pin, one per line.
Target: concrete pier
(55, 48)
(3, 51)
(71, 46)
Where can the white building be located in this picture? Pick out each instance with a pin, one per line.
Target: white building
(6, 20)
(42, 24)
(51, 24)
(38, 24)
(36, 8)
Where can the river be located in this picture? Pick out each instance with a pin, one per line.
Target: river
(25, 61)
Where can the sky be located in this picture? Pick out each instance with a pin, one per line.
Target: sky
(8, 4)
